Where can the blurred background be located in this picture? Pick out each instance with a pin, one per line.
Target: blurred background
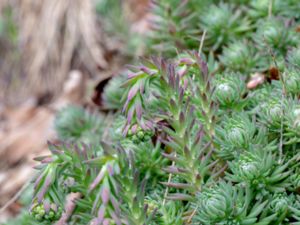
(54, 53)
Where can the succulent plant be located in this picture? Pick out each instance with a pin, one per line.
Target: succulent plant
(261, 8)
(295, 182)
(293, 57)
(292, 122)
(258, 170)
(291, 79)
(229, 90)
(237, 131)
(194, 142)
(280, 202)
(260, 95)
(238, 135)
(273, 35)
(173, 25)
(228, 204)
(272, 111)
(73, 123)
(113, 93)
(117, 26)
(241, 56)
(223, 24)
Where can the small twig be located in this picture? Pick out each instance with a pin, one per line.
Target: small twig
(281, 102)
(192, 215)
(202, 42)
(169, 180)
(281, 126)
(14, 198)
(270, 8)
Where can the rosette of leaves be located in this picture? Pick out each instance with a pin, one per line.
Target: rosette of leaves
(280, 204)
(229, 91)
(258, 96)
(242, 57)
(295, 209)
(174, 26)
(228, 147)
(235, 135)
(228, 204)
(274, 35)
(291, 9)
(116, 24)
(260, 170)
(271, 112)
(224, 23)
(263, 8)
(113, 93)
(75, 124)
(293, 57)
(292, 122)
(291, 79)
(294, 179)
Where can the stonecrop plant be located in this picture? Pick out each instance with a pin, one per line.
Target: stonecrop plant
(192, 138)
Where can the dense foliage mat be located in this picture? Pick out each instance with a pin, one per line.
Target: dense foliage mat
(196, 137)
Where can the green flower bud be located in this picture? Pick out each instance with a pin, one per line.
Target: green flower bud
(38, 217)
(40, 214)
(140, 135)
(152, 205)
(135, 139)
(51, 214)
(137, 135)
(129, 133)
(147, 137)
